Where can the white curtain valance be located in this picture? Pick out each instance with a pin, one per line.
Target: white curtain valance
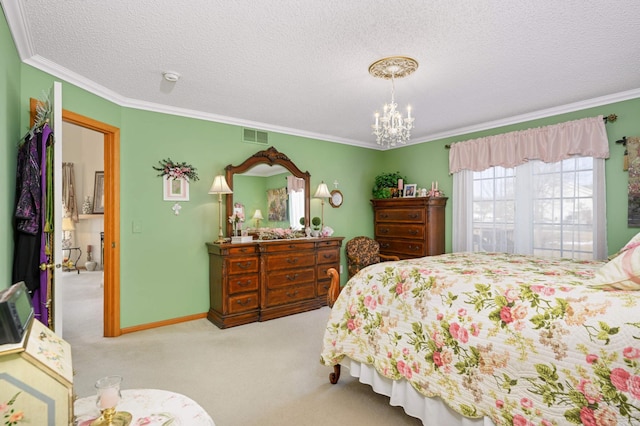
(586, 137)
(294, 184)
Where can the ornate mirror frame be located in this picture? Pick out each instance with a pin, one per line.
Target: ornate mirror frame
(271, 157)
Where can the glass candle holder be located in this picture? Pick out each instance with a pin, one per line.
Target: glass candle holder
(108, 391)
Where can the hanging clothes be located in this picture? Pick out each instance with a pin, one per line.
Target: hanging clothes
(69, 192)
(30, 218)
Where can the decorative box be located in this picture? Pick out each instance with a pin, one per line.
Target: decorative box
(242, 239)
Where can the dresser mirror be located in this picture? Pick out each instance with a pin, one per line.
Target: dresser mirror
(264, 165)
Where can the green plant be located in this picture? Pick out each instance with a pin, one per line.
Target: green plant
(302, 221)
(316, 222)
(384, 182)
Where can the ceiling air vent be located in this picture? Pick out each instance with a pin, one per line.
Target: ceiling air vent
(255, 136)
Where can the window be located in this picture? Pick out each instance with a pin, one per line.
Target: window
(543, 209)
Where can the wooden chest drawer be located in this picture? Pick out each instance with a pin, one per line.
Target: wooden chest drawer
(400, 215)
(249, 249)
(329, 243)
(292, 277)
(290, 260)
(242, 303)
(243, 265)
(291, 294)
(400, 231)
(328, 256)
(288, 246)
(408, 248)
(243, 283)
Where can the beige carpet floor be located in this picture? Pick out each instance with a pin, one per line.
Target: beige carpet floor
(265, 373)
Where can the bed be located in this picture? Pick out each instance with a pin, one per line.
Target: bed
(494, 338)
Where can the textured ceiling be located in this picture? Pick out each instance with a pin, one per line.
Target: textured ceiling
(300, 67)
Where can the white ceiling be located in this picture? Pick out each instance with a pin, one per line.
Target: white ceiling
(301, 66)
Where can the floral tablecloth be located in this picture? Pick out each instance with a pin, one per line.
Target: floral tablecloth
(522, 340)
(148, 407)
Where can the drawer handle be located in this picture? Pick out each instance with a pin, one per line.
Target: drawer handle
(327, 256)
(384, 230)
(291, 278)
(384, 215)
(413, 231)
(244, 265)
(292, 261)
(414, 248)
(244, 302)
(384, 245)
(292, 246)
(413, 215)
(295, 293)
(244, 250)
(244, 283)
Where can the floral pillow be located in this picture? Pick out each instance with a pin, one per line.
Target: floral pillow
(622, 272)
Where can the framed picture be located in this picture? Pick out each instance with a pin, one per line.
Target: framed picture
(410, 190)
(175, 189)
(98, 193)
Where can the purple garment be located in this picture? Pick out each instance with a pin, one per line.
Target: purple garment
(28, 180)
(43, 295)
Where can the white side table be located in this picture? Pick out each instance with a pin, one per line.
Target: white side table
(149, 407)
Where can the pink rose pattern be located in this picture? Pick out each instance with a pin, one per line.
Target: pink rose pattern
(458, 325)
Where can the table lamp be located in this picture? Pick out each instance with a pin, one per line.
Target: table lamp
(322, 193)
(67, 227)
(257, 216)
(219, 186)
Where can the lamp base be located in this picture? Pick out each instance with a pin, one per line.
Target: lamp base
(120, 418)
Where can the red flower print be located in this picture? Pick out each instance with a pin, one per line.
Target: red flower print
(520, 420)
(634, 386)
(526, 403)
(631, 353)
(437, 359)
(590, 391)
(619, 378)
(591, 358)
(505, 314)
(499, 403)
(587, 417)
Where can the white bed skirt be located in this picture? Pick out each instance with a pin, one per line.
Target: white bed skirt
(432, 411)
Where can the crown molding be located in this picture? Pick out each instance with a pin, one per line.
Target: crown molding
(18, 25)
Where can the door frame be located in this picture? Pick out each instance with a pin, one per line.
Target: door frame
(111, 261)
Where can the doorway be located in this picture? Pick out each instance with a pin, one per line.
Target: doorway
(111, 260)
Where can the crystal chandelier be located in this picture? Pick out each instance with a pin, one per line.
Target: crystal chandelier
(391, 128)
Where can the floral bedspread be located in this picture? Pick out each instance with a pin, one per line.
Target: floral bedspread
(520, 339)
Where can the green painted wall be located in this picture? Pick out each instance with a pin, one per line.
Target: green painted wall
(423, 163)
(9, 135)
(164, 268)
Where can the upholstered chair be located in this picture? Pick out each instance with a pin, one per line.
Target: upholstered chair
(364, 251)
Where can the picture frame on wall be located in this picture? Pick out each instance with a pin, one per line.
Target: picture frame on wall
(410, 190)
(175, 189)
(98, 193)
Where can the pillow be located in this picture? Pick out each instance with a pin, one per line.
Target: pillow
(623, 271)
(632, 241)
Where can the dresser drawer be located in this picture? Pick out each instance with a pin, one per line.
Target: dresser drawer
(328, 255)
(248, 249)
(288, 246)
(400, 215)
(329, 243)
(400, 231)
(243, 283)
(287, 278)
(243, 303)
(290, 260)
(408, 248)
(242, 265)
(291, 294)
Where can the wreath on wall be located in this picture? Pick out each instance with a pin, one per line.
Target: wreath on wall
(177, 170)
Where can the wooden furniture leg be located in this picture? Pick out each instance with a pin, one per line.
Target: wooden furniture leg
(332, 295)
(335, 376)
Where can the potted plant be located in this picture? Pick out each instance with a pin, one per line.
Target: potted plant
(386, 184)
(316, 222)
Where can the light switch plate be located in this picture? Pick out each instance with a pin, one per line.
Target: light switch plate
(136, 226)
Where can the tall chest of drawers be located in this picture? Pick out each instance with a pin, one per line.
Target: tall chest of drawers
(263, 280)
(410, 227)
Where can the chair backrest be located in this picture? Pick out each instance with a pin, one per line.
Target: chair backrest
(365, 249)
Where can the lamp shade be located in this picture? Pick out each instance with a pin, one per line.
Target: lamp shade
(258, 215)
(323, 191)
(67, 224)
(219, 186)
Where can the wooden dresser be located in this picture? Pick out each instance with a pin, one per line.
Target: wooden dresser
(262, 280)
(410, 227)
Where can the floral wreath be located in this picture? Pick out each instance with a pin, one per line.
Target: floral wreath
(177, 170)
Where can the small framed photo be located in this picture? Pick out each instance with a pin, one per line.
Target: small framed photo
(175, 189)
(98, 193)
(410, 190)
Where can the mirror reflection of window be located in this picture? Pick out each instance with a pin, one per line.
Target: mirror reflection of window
(295, 187)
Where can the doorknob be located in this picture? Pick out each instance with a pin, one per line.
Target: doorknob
(45, 266)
